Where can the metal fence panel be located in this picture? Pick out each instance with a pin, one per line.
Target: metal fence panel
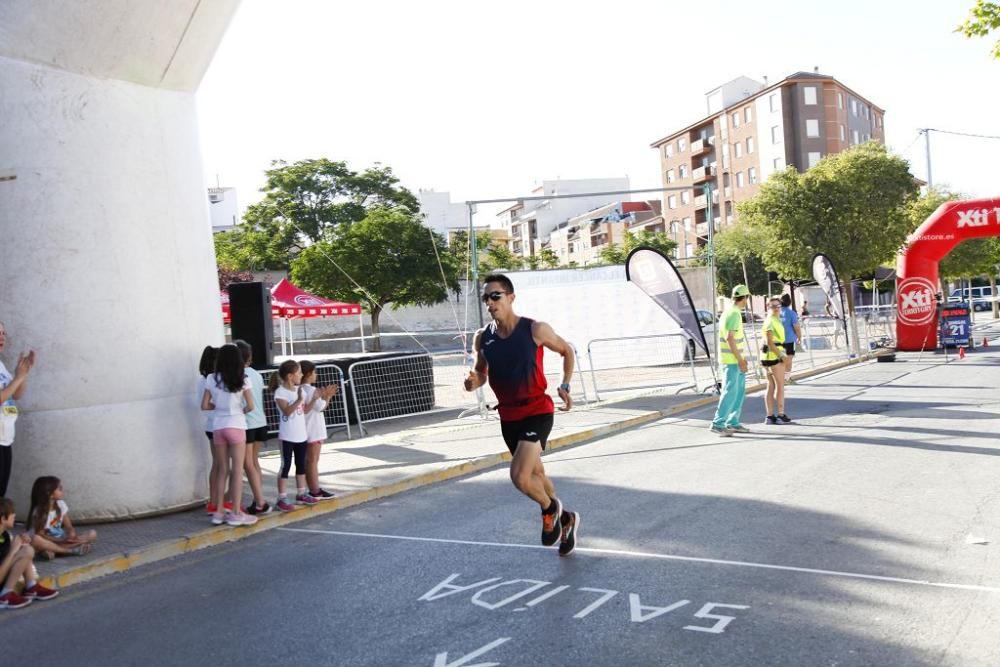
(335, 415)
(391, 387)
(640, 362)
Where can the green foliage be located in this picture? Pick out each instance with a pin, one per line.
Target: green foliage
(389, 253)
(228, 276)
(612, 253)
(500, 258)
(983, 19)
(548, 258)
(851, 207)
(736, 248)
(304, 203)
(459, 248)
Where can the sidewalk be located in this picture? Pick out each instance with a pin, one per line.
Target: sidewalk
(396, 456)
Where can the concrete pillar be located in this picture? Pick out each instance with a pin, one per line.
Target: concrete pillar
(106, 260)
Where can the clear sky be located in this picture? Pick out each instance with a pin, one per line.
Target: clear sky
(486, 99)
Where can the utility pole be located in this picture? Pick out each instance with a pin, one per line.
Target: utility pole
(927, 147)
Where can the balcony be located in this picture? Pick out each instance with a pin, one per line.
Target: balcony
(701, 174)
(701, 202)
(700, 146)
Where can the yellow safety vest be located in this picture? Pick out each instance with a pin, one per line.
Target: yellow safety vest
(777, 329)
(725, 355)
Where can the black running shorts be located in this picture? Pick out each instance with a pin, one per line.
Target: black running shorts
(531, 429)
(789, 349)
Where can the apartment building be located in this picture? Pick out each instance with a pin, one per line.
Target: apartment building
(579, 240)
(530, 221)
(751, 131)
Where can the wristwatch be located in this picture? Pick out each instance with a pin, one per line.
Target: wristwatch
(564, 387)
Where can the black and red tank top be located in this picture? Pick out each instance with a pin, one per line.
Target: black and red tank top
(515, 371)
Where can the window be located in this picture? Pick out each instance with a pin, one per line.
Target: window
(814, 158)
(739, 179)
(865, 110)
(854, 107)
(670, 149)
(840, 100)
(670, 175)
(687, 224)
(736, 119)
(738, 150)
(686, 197)
(810, 93)
(776, 134)
(749, 145)
(843, 133)
(673, 227)
(689, 250)
(855, 139)
(672, 201)
(779, 164)
(682, 144)
(772, 99)
(812, 127)
(683, 170)
(752, 175)
(748, 114)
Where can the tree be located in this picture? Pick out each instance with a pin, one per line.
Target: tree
(498, 256)
(851, 206)
(548, 258)
(228, 276)
(459, 248)
(983, 19)
(612, 253)
(737, 260)
(304, 202)
(388, 257)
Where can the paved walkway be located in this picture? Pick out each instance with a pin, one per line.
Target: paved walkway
(396, 456)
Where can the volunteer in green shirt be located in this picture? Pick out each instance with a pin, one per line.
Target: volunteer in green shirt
(773, 362)
(733, 363)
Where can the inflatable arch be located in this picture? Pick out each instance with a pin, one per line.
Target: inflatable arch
(917, 265)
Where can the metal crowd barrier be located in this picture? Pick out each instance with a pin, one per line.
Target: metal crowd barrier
(654, 351)
(335, 415)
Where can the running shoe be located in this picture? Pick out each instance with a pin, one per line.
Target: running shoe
(252, 509)
(569, 530)
(783, 417)
(770, 419)
(322, 494)
(39, 592)
(284, 505)
(305, 499)
(722, 431)
(240, 519)
(218, 519)
(12, 600)
(550, 525)
(738, 429)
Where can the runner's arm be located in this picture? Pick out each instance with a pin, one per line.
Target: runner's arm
(477, 376)
(545, 335)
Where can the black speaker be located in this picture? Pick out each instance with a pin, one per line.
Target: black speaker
(250, 320)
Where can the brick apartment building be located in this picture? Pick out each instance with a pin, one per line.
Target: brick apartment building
(752, 130)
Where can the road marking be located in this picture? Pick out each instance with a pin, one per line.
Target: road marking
(659, 556)
(441, 659)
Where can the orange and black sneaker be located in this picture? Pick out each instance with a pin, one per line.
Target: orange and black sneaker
(569, 531)
(551, 529)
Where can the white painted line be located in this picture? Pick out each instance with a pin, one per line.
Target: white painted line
(646, 554)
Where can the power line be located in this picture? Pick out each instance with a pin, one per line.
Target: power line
(963, 134)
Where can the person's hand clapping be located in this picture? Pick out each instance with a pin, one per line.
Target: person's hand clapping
(25, 362)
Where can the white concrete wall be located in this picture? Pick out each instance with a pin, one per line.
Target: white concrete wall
(105, 248)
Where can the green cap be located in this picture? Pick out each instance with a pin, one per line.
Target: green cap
(740, 290)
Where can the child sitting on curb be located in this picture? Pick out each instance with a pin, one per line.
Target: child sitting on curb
(16, 555)
(52, 533)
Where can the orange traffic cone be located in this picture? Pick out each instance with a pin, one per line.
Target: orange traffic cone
(961, 353)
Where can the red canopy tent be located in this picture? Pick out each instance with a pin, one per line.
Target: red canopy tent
(289, 302)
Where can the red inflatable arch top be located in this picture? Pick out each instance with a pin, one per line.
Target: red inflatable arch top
(917, 266)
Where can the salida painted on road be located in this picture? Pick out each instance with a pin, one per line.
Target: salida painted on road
(486, 591)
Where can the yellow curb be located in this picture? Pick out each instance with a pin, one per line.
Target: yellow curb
(223, 534)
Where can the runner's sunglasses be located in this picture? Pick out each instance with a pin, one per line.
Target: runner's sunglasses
(493, 296)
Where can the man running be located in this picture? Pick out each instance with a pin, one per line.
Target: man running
(509, 353)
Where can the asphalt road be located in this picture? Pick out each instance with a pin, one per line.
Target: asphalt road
(848, 538)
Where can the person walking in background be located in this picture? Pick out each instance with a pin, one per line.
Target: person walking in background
(316, 400)
(733, 363)
(509, 354)
(793, 333)
(805, 308)
(229, 394)
(11, 389)
(289, 396)
(16, 556)
(256, 432)
(838, 325)
(49, 526)
(773, 362)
